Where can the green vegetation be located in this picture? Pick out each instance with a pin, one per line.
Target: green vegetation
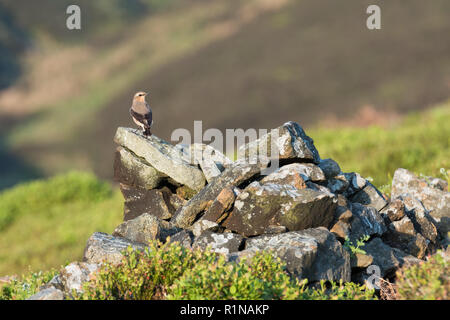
(169, 271)
(429, 280)
(46, 223)
(29, 284)
(354, 249)
(421, 143)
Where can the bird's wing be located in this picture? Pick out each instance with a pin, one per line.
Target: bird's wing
(144, 118)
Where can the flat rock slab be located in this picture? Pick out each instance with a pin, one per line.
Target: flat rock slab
(370, 196)
(162, 156)
(296, 174)
(224, 243)
(234, 175)
(260, 206)
(102, 247)
(314, 254)
(288, 141)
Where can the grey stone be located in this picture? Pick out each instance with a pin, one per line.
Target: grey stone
(307, 171)
(222, 204)
(288, 141)
(365, 221)
(428, 191)
(143, 229)
(200, 226)
(314, 254)
(48, 294)
(330, 168)
(76, 274)
(360, 260)
(224, 243)
(394, 211)
(237, 173)
(338, 184)
(355, 183)
(162, 156)
(260, 206)
(185, 238)
(134, 171)
(370, 196)
(139, 201)
(290, 174)
(102, 247)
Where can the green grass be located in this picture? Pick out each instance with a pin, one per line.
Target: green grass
(421, 143)
(46, 223)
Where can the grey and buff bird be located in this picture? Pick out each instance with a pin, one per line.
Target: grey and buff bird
(141, 112)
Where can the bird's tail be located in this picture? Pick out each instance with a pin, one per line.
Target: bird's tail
(147, 132)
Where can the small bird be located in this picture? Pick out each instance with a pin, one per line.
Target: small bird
(141, 112)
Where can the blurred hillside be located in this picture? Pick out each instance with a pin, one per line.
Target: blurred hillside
(235, 63)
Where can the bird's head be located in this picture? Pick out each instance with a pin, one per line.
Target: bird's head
(140, 96)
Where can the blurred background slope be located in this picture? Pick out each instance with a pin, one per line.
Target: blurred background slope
(235, 63)
(372, 100)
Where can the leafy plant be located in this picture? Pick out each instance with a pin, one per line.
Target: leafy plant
(354, 249)
(429, 280)
(25, 287)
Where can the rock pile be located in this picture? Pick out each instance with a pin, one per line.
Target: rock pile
(304, 211)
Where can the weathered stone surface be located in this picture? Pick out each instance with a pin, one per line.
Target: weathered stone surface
(185, 238)
(428, 191)
(48, 294)
(286, 142)
(423, 222)
(366, 221)
(211, 161)
(273, 229)
(330, 168)
(219, 242)
(134, 171)
(76, 274)
(104, 247)
(314, 254)
(394, 211)
(355, 183)
(175, 202)
(200, 226)
(288, 174)
(220, 206)
(260, 206)
(386, 258)
(142, 229)
(139, 201)
(234, 175)
(402, 235)
(370, 196)
(360, 260)
(338, 184)
(162, 156)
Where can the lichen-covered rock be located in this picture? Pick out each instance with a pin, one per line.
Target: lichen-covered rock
(142, 229)
(386, 258)
(102, 247)
(420, 217)
(139, 201)
(432, 192)
(314, 254)
(185, 238)
(286, 142)
(295, 174)
(74, 275)
(355, 183)
(224, 243)
(338, 184)
(402, 235)
(262, 205)
(134, 171)
(48, 294)
(162, 156)
(394, 211)
(330, 168)
(200, 226)
(370, 196)
(234, 175)
(365, 221)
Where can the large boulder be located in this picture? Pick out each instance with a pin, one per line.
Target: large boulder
(162, 156)
(314, 254)
(237, 173)
(262, 205)
(432, 192)
(102, 247)
(134, 171)
(288, 141)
